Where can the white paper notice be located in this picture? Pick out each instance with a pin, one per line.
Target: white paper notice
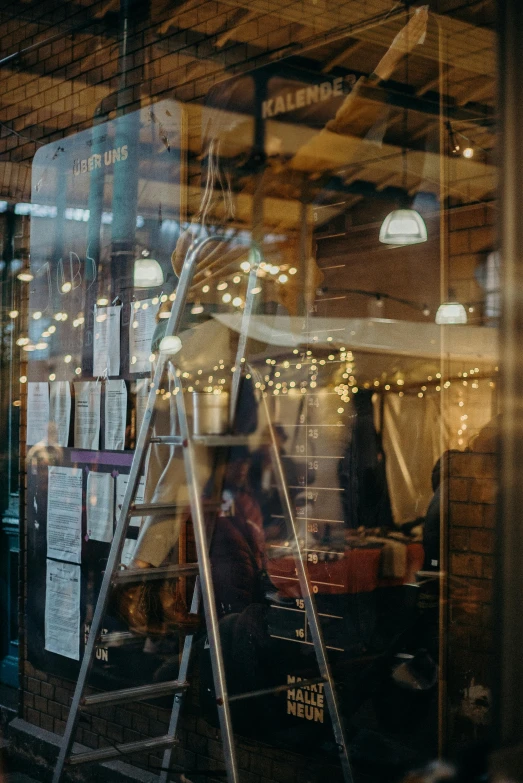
(62, 609)
(37, 412)
(141, 330)
(121, 486)
(106, 345)
(87, 415)
(64, 514)
(129, 546)
(100, 506)
(60, 410)
(115, 414)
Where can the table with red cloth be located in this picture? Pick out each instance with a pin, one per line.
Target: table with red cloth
(348, 586)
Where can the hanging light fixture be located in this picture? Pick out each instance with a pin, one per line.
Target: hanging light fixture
(451, 313)
(25, 274)
(147, 272)
(170, 344)
(403, 226)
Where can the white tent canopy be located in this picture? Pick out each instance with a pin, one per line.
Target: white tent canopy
(379, 335)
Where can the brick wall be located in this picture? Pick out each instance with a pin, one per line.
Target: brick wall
(472, 510)
(471, 238)
(46, 701)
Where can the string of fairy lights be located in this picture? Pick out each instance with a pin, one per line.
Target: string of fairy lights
(294, 376)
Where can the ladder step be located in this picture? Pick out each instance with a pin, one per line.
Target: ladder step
(139, 509)
(128, 748)
(128, 575)
(222, 440)
(167, 440)
(119, 638)
(139, 693)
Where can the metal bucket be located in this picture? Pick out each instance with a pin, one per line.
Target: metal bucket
(210, 413)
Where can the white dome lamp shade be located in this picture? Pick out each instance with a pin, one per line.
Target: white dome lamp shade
(451, 313)
(403, 227)
(170, 344)
(147, 273)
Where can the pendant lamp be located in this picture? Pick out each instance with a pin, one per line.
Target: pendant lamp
(25, 274)
(451, 313)
(403, 226)
(147, 272)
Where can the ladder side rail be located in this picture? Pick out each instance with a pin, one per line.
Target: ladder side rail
(243, 336)
(142, 443)
(209, 604)
(307, 595)
(103, 596)
(182, 676)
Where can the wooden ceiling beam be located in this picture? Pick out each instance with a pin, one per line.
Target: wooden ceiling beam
(242, 17)
(342, 56)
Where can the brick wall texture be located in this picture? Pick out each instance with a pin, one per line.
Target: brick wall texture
(469, 655)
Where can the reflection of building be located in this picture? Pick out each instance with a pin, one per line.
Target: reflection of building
(124, 126)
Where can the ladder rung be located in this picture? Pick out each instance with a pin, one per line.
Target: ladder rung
(154, 508)
(222, 440)
(138, 693)
(167, 440)
(119, 638)
(102, 754)
(277, 689)
(162, 572)
(139, 509)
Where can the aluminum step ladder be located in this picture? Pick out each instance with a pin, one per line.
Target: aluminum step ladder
(202, 568)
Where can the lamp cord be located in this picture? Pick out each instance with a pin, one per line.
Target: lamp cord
(405, 109)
